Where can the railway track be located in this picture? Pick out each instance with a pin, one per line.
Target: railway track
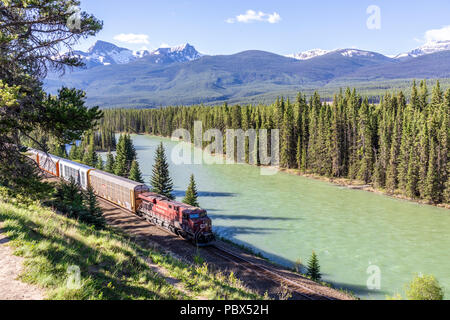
(293, 286)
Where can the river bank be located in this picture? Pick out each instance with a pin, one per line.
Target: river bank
(360, 185)
(342, 182)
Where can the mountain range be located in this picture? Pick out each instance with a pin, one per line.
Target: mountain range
(105, 54)
(119, 77)
(428, 48)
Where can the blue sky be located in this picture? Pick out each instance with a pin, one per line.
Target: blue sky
(283, 26)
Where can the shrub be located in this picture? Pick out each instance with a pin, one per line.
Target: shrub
(424, 287)
(74, 203)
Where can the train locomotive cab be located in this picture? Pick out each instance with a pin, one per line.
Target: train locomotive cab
(187, 221)
(199, 224)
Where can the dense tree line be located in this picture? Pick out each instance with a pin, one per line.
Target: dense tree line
(400, 144)
(104, 139)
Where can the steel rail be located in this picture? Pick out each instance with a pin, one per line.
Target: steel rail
(310, 293)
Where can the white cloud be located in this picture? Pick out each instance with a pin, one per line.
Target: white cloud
(438, 34)
(252, 16)
(274, 18)
(164, 45)
(132, 38)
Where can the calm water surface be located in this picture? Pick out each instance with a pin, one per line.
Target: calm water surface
(286, 217)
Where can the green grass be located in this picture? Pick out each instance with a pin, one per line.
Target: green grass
(112, 266)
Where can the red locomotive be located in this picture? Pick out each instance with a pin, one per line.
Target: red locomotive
(187, 221)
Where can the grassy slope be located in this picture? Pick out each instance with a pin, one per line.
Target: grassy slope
(112, 266)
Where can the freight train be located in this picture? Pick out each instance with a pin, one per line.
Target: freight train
(189, 222)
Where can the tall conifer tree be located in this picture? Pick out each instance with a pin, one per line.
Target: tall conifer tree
(191, 197)
(314, 268)
(160, 181)
(135, 172)
(109, 166)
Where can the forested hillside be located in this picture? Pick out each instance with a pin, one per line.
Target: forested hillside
(399, 145)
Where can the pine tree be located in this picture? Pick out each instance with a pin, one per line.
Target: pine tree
(444, 144)
(288, 139)
(446, 194)
(337, 139)
(382, 156)
(90, 157)
(74, 153)
(407, 142)
(125, 154)
(109, 166)
(58, 150)
(69, 198)
(130, 151)
(412, 176)
(314, 268)
(365, 149)
(298, 156)
(99, 165)
(191, 197)
(120, 162)
(160, 181)
(423, 156)
(392, 170)
(93, 214)
(432, 181)
(135, 172)
(423, 96)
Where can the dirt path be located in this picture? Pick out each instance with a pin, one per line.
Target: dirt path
(10, 269)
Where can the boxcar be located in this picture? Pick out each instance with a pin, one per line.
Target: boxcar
(47, 162)
(77, 171)
(33, 154)
(121, 191)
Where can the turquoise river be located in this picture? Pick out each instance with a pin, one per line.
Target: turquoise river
(359, 236)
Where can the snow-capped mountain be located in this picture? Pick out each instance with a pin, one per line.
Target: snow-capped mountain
(355, 53)
(105, 53)
(427, 48)
(182, 53)
(306, 55)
